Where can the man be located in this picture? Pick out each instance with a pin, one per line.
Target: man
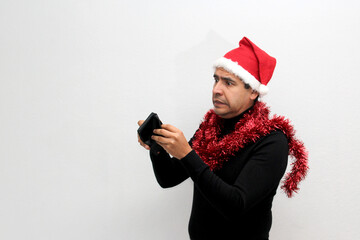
(238, 155)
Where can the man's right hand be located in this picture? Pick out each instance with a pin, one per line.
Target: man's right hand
(140, 122)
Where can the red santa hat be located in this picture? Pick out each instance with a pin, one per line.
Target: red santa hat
(251, 64)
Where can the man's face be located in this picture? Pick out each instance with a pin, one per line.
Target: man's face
(230, 98)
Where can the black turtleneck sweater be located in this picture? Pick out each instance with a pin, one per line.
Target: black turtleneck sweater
(235, 201)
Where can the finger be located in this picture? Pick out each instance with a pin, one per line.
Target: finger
(163, 132)
(143, 144)
(147, 147)
(160, 140)
(140, 122)
(170, 128)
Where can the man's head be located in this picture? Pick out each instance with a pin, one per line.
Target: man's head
(231, 96)
(250, 69)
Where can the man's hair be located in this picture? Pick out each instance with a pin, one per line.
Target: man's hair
(247, 86)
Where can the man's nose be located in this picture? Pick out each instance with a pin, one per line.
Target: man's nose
(217, 89)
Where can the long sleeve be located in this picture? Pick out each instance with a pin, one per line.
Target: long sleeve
(258, 179)
(168, 171)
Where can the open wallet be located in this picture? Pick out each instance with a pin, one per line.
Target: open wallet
(145, 131)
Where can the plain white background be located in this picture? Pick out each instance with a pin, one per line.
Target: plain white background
(76, 76)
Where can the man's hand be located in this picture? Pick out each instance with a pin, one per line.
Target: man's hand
(172, 140)
(140, 122)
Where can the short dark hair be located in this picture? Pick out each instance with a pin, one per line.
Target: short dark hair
(247, 86)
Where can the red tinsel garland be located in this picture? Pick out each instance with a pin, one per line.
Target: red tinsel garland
(255, 124)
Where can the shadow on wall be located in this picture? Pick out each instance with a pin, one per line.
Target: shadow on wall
(193, 74)
(197, 61)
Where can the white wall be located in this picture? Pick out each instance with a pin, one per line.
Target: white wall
(75, 76)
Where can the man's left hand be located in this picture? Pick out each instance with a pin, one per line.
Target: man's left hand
(172, 140)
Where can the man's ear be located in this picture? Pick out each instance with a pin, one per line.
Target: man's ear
(254, 94)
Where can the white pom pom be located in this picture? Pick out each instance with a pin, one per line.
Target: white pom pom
(263, 90)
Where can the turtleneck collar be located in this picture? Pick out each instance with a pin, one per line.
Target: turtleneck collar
(229, 124)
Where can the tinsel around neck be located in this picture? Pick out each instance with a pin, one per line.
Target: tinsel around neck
(215, 149)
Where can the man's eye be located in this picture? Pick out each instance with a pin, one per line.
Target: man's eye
(229, 83)
(216, 80)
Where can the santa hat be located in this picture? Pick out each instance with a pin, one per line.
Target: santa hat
(251, 64)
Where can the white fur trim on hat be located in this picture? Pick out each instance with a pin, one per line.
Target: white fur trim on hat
(244, 75)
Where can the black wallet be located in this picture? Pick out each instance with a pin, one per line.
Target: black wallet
(145, 131)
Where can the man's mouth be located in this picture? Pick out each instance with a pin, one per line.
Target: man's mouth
(218, 102)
